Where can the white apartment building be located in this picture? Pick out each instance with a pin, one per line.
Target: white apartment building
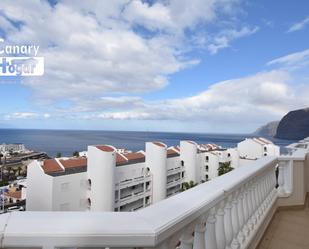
(254, 148)
(118, 180)
(4, 148)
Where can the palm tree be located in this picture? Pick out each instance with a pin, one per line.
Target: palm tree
(19, 170)
(76, 153)
(188, 185)
(224, 168)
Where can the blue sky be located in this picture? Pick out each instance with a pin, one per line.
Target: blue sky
(224, 66)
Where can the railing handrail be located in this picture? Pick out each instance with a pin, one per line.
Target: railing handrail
(146, 227)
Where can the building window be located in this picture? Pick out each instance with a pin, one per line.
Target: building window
(147, 200)
(89, 202)
(228, 155)
(182, 163)
(206, 177)
(265, 149)
(207, 158)
(182, 174)
(65, 186)
(89, 184)
(206, 168)
(265, 154)
(147, 185)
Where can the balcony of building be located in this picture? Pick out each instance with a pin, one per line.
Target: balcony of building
(259, 205)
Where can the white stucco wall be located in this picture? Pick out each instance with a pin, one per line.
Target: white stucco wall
(39, 188)
(101, 172)
(250, 149)
(188, 154)
(156, 162)
(69, 192)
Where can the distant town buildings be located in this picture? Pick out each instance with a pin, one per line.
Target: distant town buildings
(11, 148)
(107, 179)
(254, 148)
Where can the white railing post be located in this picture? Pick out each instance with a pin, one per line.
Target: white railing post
(250, 206)
(199, 234)
(163, 245)
(254, 202)
(235, 221)
(210, 233)
(285, 178)
(260, 196)
(263, 191)
(269, 187)
(186, 239)
(246, 211)
(228, 221)
(274, 183)
(220, 231)
(240, 209)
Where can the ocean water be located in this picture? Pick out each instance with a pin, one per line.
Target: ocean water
(68, 141)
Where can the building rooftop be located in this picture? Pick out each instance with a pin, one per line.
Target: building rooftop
(73, 162)
(173, 152)
(105, 148)
(130, 158)
(58, 167)
(51, 165)
(262, 141)
(13, 194)
(159, 144)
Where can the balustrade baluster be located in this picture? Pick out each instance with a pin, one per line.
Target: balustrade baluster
(186, 239)
(246, 211)
(263, 194)
(259, 197)
(164, 245)
(281, 178)
(199, 234)
(220, 231)
(228, 228)
(235, 221)
(252, 205)
(240, 210)
(210, 232)
(269, 187)
(255, 202)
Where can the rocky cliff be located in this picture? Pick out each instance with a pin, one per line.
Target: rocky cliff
(268, 130)
(294, 125)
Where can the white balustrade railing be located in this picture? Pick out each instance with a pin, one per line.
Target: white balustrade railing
(224, 213)
(285, 177)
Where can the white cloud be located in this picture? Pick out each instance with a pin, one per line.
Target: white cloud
(292, 60)
(224, 38)
(153, 17)
(25, 115)
(299, 25)
(93, 48)
(257, 98)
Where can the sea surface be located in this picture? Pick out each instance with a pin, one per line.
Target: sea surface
(68, 141)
